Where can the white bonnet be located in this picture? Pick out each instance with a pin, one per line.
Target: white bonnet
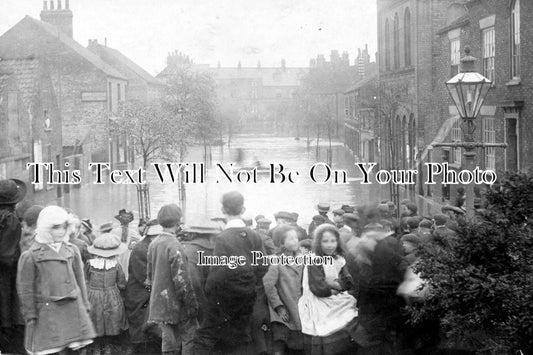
(50, 216)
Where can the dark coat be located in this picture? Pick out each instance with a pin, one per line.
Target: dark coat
(317, 281)
(283, 288)
(444, 237)
(137, 296)
(235, 288)
(52, 290)
(198, 273)
(10, 232)
(231, 293)
(379, 305)
(172, 299)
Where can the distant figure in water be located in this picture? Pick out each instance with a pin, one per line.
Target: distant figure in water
(240, 156)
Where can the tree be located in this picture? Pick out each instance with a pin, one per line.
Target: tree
(147, 125)
(482, 290)
(191, 98)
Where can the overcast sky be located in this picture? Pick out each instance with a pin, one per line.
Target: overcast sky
(212, 31)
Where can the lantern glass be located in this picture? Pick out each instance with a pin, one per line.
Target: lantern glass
(468, 92)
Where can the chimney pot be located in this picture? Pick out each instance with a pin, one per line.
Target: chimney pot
(67, 4)
(45, 5)
(59, 7)
(51, 4)
(105, 41)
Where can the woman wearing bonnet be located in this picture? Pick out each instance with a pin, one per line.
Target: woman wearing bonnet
(51, 287)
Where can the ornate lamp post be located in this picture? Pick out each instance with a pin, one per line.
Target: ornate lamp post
(468, 90)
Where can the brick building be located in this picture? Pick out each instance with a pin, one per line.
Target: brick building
(438, 33)
(256, 94)
(87, 89)
(360, 124)
(30, 118)
(142, 86)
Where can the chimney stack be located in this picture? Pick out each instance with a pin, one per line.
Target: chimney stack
(60, 18)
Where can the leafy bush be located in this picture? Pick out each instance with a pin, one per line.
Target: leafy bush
(483, 289)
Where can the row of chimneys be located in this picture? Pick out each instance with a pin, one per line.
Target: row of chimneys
(45, 5)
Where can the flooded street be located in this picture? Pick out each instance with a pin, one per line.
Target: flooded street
(101, 202)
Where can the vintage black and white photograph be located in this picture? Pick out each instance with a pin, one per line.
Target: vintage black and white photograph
(272, 177)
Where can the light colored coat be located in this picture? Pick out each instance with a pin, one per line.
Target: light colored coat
(51, 288)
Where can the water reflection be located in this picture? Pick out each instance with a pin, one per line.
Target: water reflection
(101, 202)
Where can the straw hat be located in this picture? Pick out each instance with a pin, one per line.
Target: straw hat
(107, 245)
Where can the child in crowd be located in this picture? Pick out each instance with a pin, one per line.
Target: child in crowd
(305, 246)
(282, 287)
(29, 224)
(327, 311)
(105, 280)
(51, 288)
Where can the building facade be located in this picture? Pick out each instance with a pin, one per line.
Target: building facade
(259, 96)
(86, 89)
(420, 48)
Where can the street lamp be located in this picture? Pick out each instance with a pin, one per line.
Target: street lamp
(468, 90)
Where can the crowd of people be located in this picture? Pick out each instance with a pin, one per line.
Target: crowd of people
(67, 286)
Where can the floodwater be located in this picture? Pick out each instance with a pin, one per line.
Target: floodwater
(262, 196)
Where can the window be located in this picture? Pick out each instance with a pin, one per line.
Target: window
(119, 98)
(12, 114)
(3, 171)
(407, 36)
(515, 39)
(455, 45)
(387, 45)
(488, 48)
(110, 97)
(396, 41)
(456, 137)
(38, 158)
(489, 136)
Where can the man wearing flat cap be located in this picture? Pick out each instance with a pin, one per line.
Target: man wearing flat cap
(337, 217)
(323, 209)
(12, 191)
(442, 235)
(283, 218)
(263, 225)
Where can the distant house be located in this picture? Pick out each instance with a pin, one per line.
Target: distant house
(255, 93)
(142, 85)
(87, 89)
(30, 118)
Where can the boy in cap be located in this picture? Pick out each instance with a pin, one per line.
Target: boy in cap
(231, 292)
(173, 304)
(323, 209)
(337, 217)
(263, 225)
(29, 224)
(443, 235)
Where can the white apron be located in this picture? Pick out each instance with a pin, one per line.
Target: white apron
(323, 316)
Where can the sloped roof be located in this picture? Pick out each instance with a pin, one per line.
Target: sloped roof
(67, 41)
(268, 76)
(26, 74)
(114, 58)
(363, 82)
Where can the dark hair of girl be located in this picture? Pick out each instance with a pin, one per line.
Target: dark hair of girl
(318, 234)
